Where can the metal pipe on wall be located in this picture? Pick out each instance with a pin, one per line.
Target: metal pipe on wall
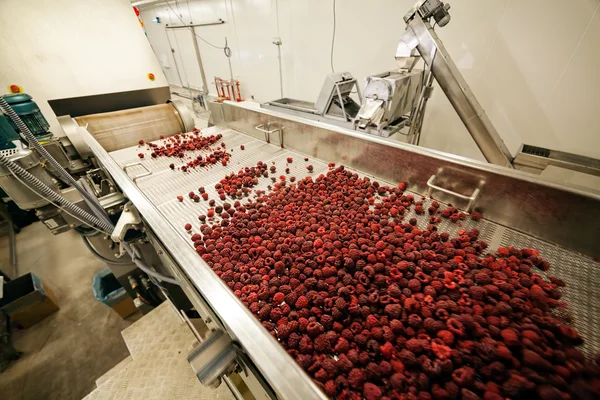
(200, 65)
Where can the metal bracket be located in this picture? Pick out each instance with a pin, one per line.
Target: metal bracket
(129, 219)
(265, 129)
(134, 178)
(213, 358)
(471, 198)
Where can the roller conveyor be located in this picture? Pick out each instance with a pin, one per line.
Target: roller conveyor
(164, 185)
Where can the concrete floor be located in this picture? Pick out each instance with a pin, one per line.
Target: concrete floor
(64, 354)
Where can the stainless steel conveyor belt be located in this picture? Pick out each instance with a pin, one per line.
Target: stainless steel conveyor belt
(164, 185)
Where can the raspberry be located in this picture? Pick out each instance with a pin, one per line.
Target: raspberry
(314, 329)
(371, 321)
(397, 381)
(463, 376)
(344, 363)
(305, 345)
(534, 360)
(372, 372)
(446, 336)
(414, 320)
(330, 388)
(371, 391)
(387, 350)
(356, 377)
(407, 358)
(278, 298)
(342, 346)
(516, 386)
(510, 337)
(394, 311)
(302, 302)
(322, 344)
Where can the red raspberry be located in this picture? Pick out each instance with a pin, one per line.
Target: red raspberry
(463, 376)
(387, 350)
(188, 227)
(322, 344)
(314, 329)
(330, 388)
(503, 252)
(356, 377)
(302, 302)
(342, 346)
(446, 336)
(536, 361)
(394, 311)
(279, 298)
(371, 321)
(371, 391)
(510, 337)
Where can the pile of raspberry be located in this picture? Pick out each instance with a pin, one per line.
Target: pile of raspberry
(177, 145)
(373, 307)
(237, 184)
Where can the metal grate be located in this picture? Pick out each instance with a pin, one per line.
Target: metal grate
(164, 185)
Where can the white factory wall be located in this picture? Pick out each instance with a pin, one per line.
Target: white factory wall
(532, 64)
(67, 48)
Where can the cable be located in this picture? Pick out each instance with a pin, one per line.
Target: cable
(134, 252)
(333, 39)
(32, 140)
(198, 36)
(92, 222)
(91, 248)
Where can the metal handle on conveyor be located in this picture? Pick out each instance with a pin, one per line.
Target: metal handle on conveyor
(148, 172)
(471, 198)
(268, 132)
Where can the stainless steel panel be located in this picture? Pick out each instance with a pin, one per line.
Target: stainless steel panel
(566, 216)
(119, 129)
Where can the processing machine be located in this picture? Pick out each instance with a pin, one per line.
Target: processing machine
(102, 180)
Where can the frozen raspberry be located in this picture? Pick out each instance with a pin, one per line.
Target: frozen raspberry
(356, 377)
(305, 345)
(414, 320)
(407, 358)
(387, 350)
(322, 344)
(371, 321)
(342, 346)
(534, 360)
(278, 298)
(446, 336)
(517, 386)
(188, 227)
(455, 326)
(394, 311)
(510, 337)
(314, 329)
(371, 391)
(302, 302)
(464, 376)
